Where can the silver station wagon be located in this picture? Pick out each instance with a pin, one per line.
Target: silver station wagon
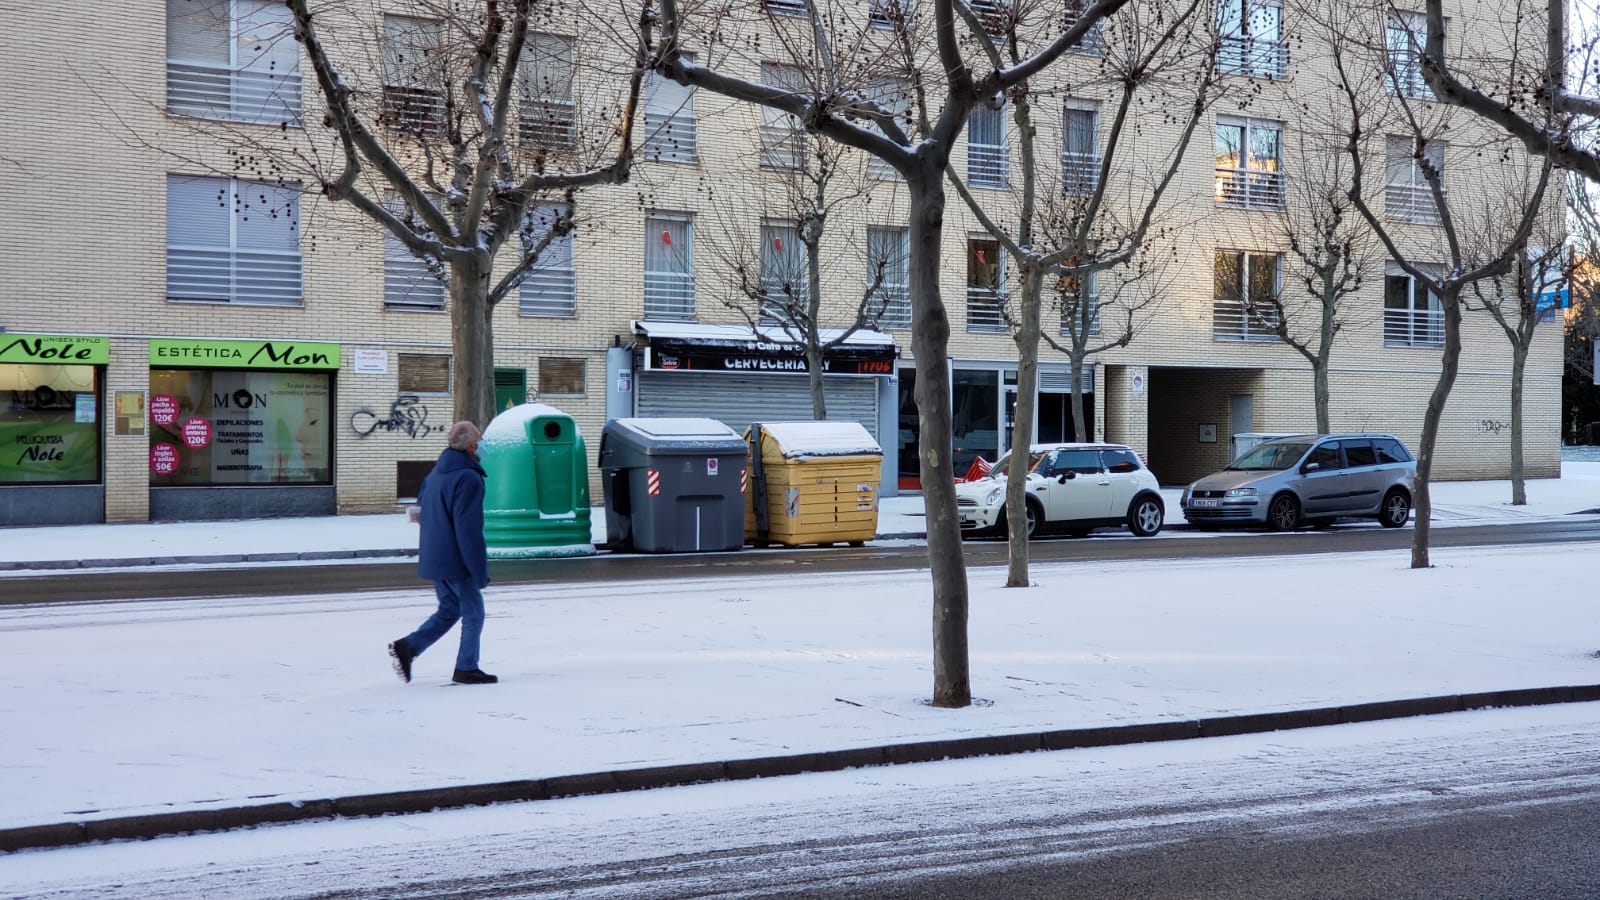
(1308, 479)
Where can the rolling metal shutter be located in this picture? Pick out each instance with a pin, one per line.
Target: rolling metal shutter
(738, 400)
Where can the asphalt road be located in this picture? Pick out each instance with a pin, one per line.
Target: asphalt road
(136, 583)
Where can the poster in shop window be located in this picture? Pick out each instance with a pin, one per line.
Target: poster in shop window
(261, 427)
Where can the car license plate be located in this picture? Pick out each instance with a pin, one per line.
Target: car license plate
(1202, 502)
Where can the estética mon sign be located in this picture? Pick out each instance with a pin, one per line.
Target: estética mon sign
(54, 348)
(244, 354)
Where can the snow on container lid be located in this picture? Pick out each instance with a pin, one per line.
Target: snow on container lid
(798, 439)
(511, 425)
(677, 428)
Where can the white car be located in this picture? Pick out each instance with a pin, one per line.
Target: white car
(1072, 488)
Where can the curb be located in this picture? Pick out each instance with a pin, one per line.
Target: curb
(127, 562)
(426, 800)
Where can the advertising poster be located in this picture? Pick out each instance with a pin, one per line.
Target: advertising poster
(49, 424)
(242, 427)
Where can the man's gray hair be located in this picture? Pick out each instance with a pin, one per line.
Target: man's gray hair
(463, 433)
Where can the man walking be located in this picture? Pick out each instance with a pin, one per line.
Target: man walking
(452, 554)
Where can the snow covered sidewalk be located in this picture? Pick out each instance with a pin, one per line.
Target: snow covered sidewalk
(122, 709)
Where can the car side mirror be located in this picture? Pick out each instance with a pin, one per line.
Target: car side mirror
(1310, 467)
(1066, 475)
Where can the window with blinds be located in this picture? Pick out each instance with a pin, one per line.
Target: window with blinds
(413, 75)
(783, 141)
(784, 286)
(669, 125)
(409, 283)
(1407, 192)
(551, 286)
(1080, 148)
(547, 114)
(889, 268)
(560, 377)
(894, 96)
(233, 61)
(232, 241)
(988, 157)
(668, 267)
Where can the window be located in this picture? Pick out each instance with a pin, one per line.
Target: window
(424, 373)
(1249, 163)
(1389, 450)
(669, 125)
(51, 422)
(993, 14)
(783, 272)
(784, 7)
(893, 95)
(988, 157)
(783, 141)
(1075, 304)
(559, 377)
(551, 287)
(985, 286)
(888, 13)
(1080, 148)
(1095, 39)
(1412, 314)
(1326, 456)
(1252, 38)
(668, 267)
(1359, 453)
(408, 282)
(889, 267)
(267, 427)
(1407, 37)
(1407, 193)
(547, 117)
(1243, 307)
(1120, 461)
(413, 75)
(234, 61)
(1080, 462)
(232, 241)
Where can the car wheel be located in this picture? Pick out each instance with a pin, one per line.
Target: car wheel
(1284, 513)
(1035, 517)
(1145, 516)
(1396, 509)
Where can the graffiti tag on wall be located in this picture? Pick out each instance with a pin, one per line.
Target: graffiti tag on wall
(406, 415)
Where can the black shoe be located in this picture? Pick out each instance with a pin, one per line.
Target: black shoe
(473, 676)
(400, 654)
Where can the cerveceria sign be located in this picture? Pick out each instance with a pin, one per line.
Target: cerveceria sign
(766, 356)
(244, 354)
(54, 348)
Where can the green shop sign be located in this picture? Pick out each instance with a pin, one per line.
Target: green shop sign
(54, 348)
(244, 354)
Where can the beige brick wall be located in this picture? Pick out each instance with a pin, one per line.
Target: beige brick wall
(82, 242)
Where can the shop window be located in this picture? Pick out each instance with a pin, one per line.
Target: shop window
(235, 426)
(424, 373)
(560, 377)
(49, 424)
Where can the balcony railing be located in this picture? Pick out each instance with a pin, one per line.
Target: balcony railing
(985, 311)
(670, 138)
(896, 303)
(413, 110)
(1069, 317)
(1080, 173)
(1232, 320)
(1411, 203)
(988, 165)
(211, 275)
(1413, 328)
(668, 295)
(1255, 57)
(1249, 188)
(547, 123)
(237, 95)
(549, 291)
(407, 284)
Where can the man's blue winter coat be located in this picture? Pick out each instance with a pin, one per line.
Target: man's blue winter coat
(451, 547)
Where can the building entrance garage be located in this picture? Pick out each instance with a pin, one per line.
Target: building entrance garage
(1193, 415)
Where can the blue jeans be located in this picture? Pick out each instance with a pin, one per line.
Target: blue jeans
(458, 600)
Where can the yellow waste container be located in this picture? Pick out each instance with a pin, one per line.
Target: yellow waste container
(812, 483)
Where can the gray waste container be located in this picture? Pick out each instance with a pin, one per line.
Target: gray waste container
(673, 485)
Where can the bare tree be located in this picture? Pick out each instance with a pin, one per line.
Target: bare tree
(1412, 139)
(1536, 104)
(447, 130)
(1157, 53)
(1331, 253)
(1518, 301)
(778, 288)
(843, 108)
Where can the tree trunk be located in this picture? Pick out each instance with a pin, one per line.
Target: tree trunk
(930, 338)
(819, 402)
(1449, 365)
(1519, 362)
(1319, 388)
(1027, 340)
(1319, 365)
(472, 339)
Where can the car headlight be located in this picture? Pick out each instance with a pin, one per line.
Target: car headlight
(993, 496)
(1239, 493)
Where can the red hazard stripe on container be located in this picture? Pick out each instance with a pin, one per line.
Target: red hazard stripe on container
(652, 482)
(744, 481)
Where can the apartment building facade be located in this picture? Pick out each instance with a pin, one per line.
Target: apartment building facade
(188, 333)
